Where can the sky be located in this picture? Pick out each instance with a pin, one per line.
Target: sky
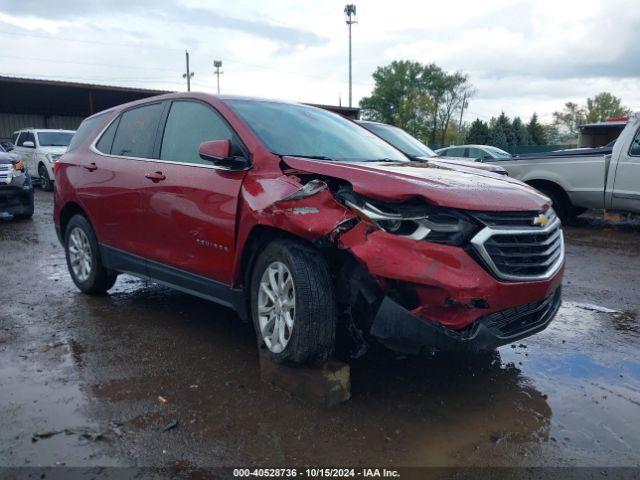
(521, 55)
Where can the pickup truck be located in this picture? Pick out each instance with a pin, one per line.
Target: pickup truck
(591, 180)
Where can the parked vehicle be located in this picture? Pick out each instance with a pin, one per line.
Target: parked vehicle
(39, 149)
(475, 152)
(576, 182)
(308, 225)
(416, 150)
(16, 189)
(7, 146)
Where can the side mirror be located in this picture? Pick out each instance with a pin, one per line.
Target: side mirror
(218, 152)
(29, 144)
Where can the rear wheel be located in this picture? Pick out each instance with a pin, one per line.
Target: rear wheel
(45, 182)
(83, 258)
(293, 303)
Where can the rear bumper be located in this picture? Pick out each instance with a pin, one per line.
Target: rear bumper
(398, 329)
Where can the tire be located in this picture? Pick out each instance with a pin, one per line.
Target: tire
(29, 213)
(45, 182)
(309, 327)
(80, 235)
(560, 203)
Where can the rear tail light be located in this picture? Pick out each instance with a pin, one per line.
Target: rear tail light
(56, 167)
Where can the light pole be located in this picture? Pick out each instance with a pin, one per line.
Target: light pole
(189, 74)
(218, 64)
(350, 18)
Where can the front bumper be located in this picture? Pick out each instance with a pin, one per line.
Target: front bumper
(15, 200)
(398, 329)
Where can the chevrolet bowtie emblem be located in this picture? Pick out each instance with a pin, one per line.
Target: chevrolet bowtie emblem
(541, 220)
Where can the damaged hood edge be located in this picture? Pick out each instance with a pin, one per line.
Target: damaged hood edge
(397, 182)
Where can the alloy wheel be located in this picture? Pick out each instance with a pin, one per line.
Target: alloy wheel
(276, 306)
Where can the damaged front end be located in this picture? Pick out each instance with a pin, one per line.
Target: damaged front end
(16, 188)
(407, 273)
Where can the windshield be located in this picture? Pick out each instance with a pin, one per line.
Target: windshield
(298, 130)
(400, 139)
(54, 139)
(498, 153)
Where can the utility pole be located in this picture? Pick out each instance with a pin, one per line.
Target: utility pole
(189, 74)
(350, 18)
(464, 101)
(218, 64)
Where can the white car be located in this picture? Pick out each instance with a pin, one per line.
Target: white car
(478, 153)
(39, 149)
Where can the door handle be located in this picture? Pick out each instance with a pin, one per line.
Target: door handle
(91, 167)
(155, 176)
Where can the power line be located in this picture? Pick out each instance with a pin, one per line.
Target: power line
(77, 40)
(88, 63)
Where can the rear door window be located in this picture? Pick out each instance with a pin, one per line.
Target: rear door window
(188, 125)
(136, 131)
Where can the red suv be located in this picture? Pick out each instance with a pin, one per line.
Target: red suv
(308, 224)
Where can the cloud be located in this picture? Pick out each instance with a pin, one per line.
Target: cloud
(164, 10)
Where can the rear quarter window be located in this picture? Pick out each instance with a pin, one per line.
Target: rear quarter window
(86, 128)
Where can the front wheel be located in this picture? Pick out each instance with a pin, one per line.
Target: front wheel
(83, 258)
(293, 303)
(45, 182)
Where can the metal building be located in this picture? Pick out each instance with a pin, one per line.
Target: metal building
(31, 103)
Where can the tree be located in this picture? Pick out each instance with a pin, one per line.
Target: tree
(536, 131)
(478, 133)
(604, 106)
(400, 97)
(568, 120)
(455, 91)
(497, 136)
(504, 123)
(422, 99)
(520, 132)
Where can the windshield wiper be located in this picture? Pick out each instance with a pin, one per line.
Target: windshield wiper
(312, 157)
(386, 159)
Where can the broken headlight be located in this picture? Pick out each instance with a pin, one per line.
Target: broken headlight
(417, 222)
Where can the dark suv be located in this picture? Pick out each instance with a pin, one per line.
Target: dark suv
(308, 224)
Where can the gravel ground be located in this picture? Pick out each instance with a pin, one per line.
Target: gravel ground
(147, 376)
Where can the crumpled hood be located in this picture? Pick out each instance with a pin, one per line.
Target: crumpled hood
(7, 157)
(436, 183)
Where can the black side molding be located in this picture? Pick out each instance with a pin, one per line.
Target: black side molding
(203, 287)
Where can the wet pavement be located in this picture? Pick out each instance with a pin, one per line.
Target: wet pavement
(147, 376)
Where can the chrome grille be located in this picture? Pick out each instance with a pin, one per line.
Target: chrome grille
(5, 168)
(521, 253)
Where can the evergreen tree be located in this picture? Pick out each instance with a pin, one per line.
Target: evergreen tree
(536, 131)
(520, 132)
(504, 123)
(497, 137)
(478, 133)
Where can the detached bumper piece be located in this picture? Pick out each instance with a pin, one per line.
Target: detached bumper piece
(400, 330)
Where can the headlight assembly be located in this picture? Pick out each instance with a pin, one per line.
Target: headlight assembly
(417, 222)
(52, 157)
